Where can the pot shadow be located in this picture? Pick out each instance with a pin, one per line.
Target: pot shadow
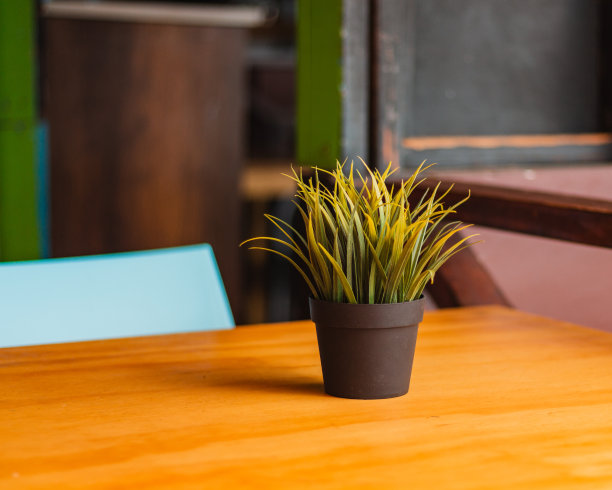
(246, 374)
(270, 385)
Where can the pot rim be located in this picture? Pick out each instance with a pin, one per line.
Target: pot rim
(328, 314)
(420, 298)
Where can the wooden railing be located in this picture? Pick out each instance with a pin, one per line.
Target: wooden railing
(574, 219)
(464, 280)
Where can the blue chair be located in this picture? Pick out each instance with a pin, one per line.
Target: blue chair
(116, 295)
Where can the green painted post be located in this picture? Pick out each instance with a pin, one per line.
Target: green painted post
(319, 69)
(19, 233)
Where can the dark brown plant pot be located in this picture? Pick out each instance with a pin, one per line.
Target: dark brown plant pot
(366, 350)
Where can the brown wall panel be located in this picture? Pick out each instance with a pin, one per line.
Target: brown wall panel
(146, 135)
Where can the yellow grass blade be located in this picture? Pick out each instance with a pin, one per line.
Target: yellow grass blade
(347, 288)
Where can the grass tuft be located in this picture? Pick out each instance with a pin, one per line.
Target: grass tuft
(363, 242)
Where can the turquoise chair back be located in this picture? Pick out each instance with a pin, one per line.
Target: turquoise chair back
(116, 295)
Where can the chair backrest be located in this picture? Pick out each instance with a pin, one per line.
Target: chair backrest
(116, 295)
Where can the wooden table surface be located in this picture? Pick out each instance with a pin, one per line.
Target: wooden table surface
(499, 399)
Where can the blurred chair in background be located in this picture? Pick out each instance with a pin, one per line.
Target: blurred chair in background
(117, 295)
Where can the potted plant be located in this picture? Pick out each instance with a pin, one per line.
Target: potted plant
(366, 254)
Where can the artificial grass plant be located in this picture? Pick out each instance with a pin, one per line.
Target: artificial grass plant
(363, 242)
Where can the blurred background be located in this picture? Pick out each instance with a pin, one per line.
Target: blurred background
(137, 125)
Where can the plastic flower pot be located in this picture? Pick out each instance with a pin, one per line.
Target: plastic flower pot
(366, 350)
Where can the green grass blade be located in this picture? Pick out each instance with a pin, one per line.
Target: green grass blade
(347, 288)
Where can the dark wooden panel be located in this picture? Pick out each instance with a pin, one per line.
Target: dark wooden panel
(271, 111)
(506, 66)
(488, 67)
(605, 66)
(464, 281)
(575, 219)
(146, 138)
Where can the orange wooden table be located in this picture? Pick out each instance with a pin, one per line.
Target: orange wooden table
(499, 399)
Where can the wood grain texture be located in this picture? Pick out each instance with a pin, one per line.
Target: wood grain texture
(498, 399)
(146, 138)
